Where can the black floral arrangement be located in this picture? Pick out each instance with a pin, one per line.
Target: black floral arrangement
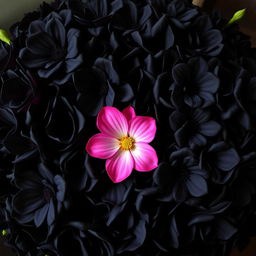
(168, 60)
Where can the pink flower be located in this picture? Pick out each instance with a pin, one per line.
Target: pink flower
(123, 141)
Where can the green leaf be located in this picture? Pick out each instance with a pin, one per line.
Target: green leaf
(4, 36)
(237, 16)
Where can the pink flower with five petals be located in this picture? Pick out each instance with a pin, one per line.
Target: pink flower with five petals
(123, 141)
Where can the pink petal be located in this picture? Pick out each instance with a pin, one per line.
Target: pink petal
(145, 157)
(129, 113)
(120, 166)
(102, 146)
(142, 129)
(112, 122)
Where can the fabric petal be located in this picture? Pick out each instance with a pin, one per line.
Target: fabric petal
(193, 101)
(196, 185)
(30, 60)
(27, 201)
(41, 44)
(72, 36)
(112, 122)
(51, 213)
(102, 146)
(46, 73)
(36, 26)
(55, 28)
(210, 128)
(197, 141)
(125, 92)
(120, 166)
(145, 157)
(72, 64)
(41, 215)
(129, 113)
(208, 83)
(142, 129)
(180, 192)
(226, 160)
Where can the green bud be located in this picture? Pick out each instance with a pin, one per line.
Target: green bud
(4, 36)
(4, 232)
(237, 16)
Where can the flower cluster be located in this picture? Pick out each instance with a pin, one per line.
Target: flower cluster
(71, 68)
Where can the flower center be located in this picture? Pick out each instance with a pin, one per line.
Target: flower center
(47, 195)
(127, 143)
(58, 54)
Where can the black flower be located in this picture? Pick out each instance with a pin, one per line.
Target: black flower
(190, 178)
(52, 113)
(148, 37)
(51, 47)
(193, 127)
(100, 86)
(95, 14)
(193, 84)
(8, 123)
(85, 240)
(201, 38)
(245, 93)
(135, 17)
(209, 222)
(221, 159)
(178, 12)
(5, 55)
(18, 90)
(40, 197)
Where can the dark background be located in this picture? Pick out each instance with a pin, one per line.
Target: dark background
(13, 10)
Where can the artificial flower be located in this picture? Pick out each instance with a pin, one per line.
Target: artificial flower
(123, 141)
(201, 38)
(193, 127)
(100, 86)
(18, 90)
(51, 47)
(41, 195)
(193, 84)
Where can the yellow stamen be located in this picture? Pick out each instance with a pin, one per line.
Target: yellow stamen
(127, 143)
